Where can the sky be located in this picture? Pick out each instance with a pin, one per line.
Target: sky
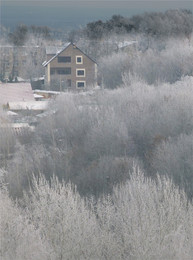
(64, 14)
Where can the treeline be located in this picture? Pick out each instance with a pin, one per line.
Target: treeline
(23, 51)
(170, 23)
(152, 61)
(159, 25)
(21, 33)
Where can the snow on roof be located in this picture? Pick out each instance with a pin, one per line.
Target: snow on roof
(121, 44)
(36, 79)
(126, 43)
(15, 92)
(32, 105)
(47, 62)
(19, 79)
(38, 96)
(46, 91)
(11, 113)
(44, 63)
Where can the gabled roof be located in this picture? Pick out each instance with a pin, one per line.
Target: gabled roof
(29, 105)
(15, 92)
(59, 50)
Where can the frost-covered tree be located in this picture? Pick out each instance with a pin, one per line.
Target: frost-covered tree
(142, 219)
(19, 238)
(154, 63)
(7, 139)
(146, 219)
(174, 159)
(64, 220)
(92, 139)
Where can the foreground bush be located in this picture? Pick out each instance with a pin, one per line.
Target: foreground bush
(143, 219)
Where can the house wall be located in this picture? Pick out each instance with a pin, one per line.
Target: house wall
(88, 65)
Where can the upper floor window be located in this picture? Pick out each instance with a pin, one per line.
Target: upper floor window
(64, 71)
(79, 60)
(80, 72)
(64, 59)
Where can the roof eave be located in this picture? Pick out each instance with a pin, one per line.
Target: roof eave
(46, 63)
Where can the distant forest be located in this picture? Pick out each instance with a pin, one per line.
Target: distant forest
(171, 23)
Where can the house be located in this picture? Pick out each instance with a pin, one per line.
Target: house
(69, 68)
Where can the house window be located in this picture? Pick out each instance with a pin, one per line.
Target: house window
(64, 59)
(80, 72)
(80, 84)
(79, 60)
(64, 71)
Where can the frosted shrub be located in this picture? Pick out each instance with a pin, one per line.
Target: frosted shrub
(174, 159)
(19, 239)
(100, 176)
(112, 67)
(64, 220)
(7, 139)
(166, 64)
(146, 219)
(142, 219)
(129, 122)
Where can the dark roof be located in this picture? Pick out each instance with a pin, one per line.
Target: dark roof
(59, 50)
